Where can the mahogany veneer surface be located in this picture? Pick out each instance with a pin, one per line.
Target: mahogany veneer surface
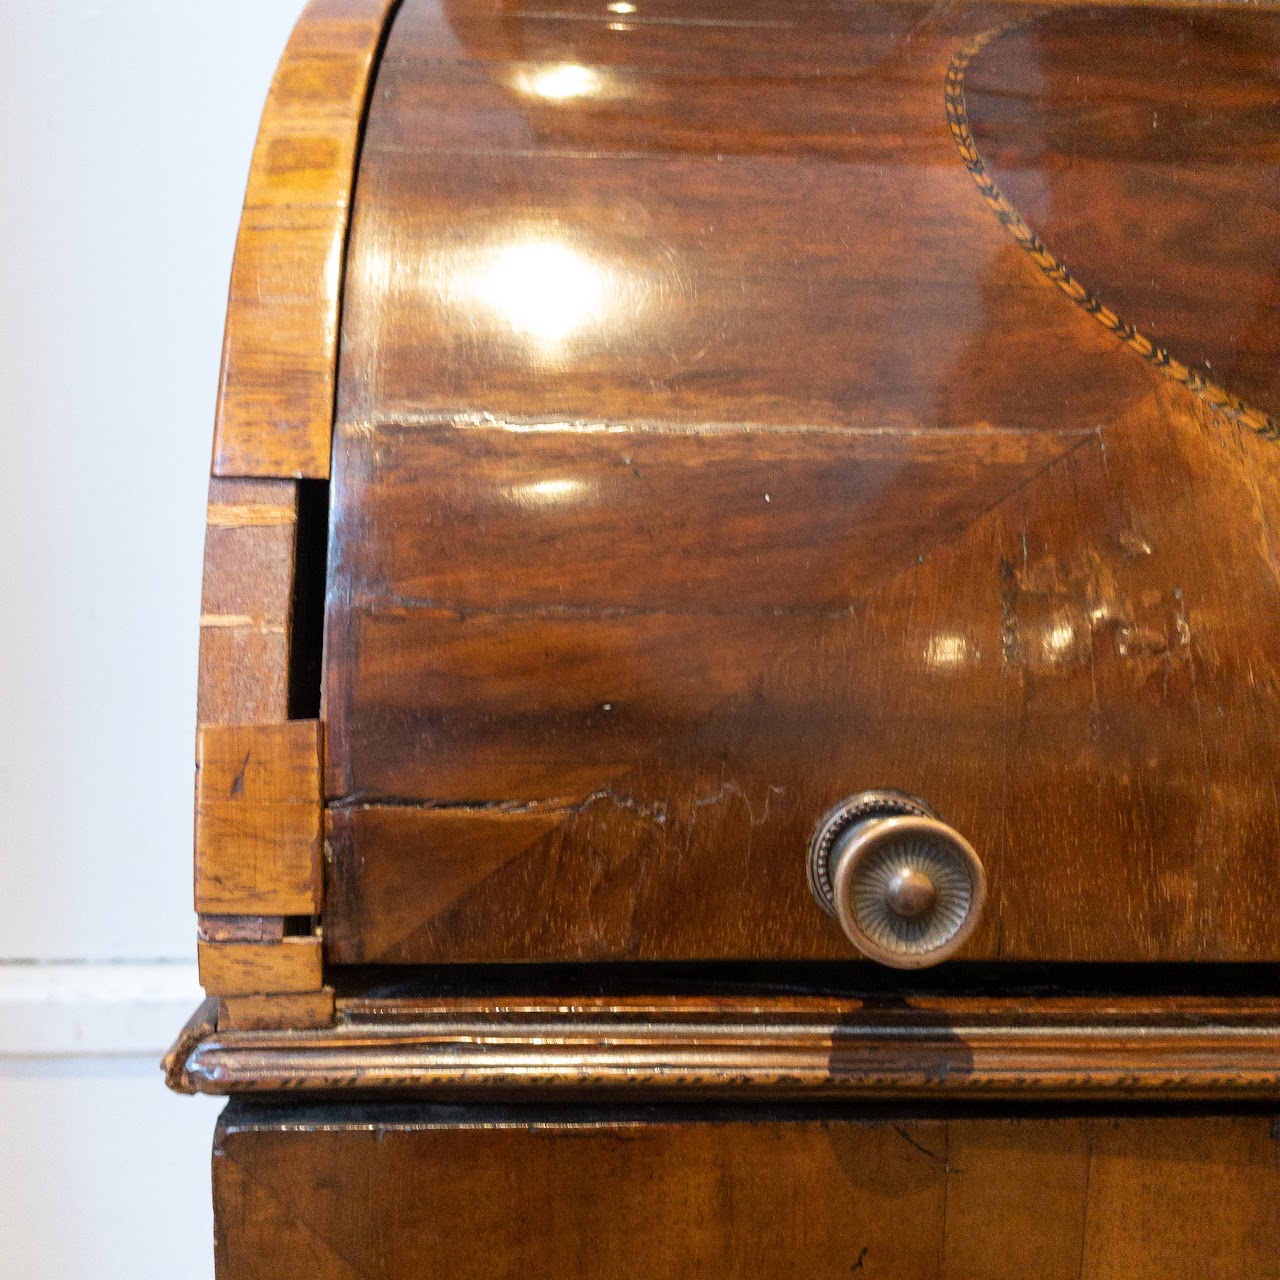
(711, 447)
(409, 1192)
(1151, 167)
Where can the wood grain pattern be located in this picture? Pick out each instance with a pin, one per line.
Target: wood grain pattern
(275, 409)
(707, 450)
(658, 320)
(258, 819)
(1215, 1205)
(252, 968)
(772, 1047)
(698, 467)
(1053, 706)
(593, 545)
(483, 1193)
(1199, 277)
(264, 1012)
(245, 610)
(1017, 1199)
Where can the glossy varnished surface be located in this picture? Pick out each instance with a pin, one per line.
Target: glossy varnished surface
(596, 219)
(409, 1192)
(279, 360)
(768, 1046)
(1147, 159)
(708, 451)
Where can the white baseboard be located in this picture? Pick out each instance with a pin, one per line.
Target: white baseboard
(94, 1009)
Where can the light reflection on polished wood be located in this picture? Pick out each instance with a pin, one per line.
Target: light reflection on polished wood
(1088, 156)
(708, 451)
(770, 1047)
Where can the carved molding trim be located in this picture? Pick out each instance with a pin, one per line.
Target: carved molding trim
(1088, 1049)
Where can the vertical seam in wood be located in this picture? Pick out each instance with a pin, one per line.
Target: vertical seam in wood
(1084, 1212)
(946, 1198)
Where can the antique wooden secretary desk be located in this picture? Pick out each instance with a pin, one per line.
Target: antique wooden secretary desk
(740, 679)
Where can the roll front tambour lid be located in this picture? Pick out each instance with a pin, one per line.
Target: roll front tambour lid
(716, 440)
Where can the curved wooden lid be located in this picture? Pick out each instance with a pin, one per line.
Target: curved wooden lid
(710, 215)
(715, 439)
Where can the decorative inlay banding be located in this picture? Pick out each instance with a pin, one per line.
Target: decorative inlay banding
(1215, 396)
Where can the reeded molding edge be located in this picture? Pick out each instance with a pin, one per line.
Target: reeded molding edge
(202, 1024)
(1103, 1051)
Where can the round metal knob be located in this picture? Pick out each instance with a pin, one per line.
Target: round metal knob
(906, 889)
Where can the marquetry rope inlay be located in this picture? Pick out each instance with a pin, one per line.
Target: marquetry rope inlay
(1217, 397)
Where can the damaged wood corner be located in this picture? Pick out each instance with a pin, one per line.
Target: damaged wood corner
(200, 1026)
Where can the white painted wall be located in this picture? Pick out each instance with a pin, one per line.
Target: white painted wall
(125, 133)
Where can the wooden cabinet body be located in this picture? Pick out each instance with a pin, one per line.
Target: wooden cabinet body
(644, 429)
(413, 1192)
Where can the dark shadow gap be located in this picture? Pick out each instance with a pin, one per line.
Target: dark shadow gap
(306, 633)
(312, 1114)
(800, 978)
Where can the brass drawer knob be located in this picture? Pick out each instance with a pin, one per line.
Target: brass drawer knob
(906, 888)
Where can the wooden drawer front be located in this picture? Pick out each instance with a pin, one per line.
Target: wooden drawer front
(408, 1193)
(606, 729)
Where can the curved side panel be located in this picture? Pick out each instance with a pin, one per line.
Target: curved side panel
(275, 420)
(275, 405)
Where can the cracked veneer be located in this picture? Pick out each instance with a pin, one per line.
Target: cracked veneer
(559, 810)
